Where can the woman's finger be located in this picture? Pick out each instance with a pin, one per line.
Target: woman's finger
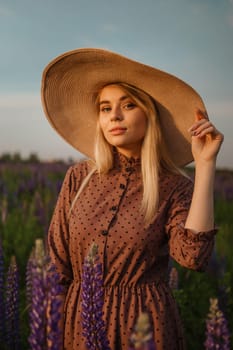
(201, 115)
(206, 131)
(200, 127)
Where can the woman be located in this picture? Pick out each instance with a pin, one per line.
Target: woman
(136, 125)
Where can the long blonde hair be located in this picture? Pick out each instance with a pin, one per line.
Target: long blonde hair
(154, 156)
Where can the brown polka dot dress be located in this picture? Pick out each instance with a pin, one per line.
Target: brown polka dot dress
(135, 258)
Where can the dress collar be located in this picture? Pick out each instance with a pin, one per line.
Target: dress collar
(122, 162)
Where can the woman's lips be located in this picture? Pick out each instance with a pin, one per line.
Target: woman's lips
(118, 131)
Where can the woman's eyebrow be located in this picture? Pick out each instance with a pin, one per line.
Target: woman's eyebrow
(122, 98)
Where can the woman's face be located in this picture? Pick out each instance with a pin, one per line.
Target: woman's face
(122, 121)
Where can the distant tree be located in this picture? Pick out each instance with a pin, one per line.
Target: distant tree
(33, 158)
(6, 157)
(16, 157)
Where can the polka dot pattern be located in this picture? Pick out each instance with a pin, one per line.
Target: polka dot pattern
(135, 259)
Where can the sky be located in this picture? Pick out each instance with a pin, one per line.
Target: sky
(192, 39)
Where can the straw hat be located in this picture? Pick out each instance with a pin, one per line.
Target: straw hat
(70, 84)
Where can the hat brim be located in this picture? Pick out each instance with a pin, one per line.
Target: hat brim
(72, 80)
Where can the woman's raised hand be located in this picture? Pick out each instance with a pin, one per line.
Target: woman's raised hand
(206, 139)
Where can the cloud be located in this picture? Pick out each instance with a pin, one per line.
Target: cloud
(19, 101)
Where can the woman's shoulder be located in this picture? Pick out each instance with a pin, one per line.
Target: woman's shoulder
(175, 180)
(76, 174)
(84, 165)
(175, 186)
(78, 171)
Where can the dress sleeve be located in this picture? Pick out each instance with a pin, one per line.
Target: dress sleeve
(189, 248)
(58, 234)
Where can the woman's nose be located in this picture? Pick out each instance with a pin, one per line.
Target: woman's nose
(116, 114)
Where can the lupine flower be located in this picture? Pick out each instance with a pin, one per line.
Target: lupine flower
(29, 279)
(12, 306)
(217, 333)
(55, 310)
(92, 302)
(38, 307)
(173, 278)
(43, 295)
(142, 337)
(2, 301)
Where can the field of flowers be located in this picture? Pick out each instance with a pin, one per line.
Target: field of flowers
(28, 192)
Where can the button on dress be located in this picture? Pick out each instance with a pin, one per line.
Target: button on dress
(134, 257)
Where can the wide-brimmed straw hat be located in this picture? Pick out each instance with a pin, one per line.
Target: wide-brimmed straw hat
(71, 82)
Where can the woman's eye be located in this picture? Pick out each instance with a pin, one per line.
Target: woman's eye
(129, 105)
(105, 109)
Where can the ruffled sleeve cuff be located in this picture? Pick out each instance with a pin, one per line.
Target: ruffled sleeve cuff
(189, 235)
(192, 249)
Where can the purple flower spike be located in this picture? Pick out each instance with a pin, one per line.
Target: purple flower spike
(217, 333)
(29, 278)
(12, 306)
(55, 310)
(2, 300)
(142, 337)
(92, 302)
(37, 338)
(44, 298)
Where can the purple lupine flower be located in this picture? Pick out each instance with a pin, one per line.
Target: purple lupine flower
(29, 279)
(38, 308)
(43, 295)
(2, 300)
(142, 337)
(173, 278)
(54, 296)
(217, 333)
(92, 302)
(12, 306)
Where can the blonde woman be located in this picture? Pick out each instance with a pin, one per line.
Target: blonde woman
(138, 126)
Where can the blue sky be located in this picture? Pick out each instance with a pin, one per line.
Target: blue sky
(192, 39)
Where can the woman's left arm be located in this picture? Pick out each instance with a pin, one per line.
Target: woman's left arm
(206, 143)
